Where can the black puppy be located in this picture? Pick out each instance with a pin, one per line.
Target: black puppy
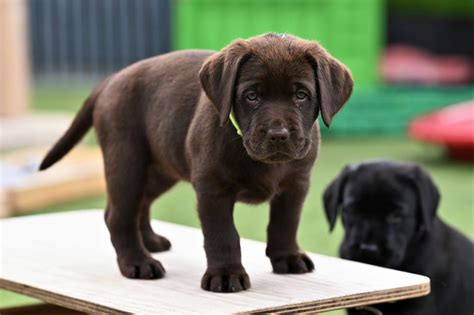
(389, 215)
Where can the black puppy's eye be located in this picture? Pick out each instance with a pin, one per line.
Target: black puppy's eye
(301, 95)
(251, 96)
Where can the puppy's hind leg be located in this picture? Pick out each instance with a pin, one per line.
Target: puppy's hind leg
(156, 186)
(125, 172)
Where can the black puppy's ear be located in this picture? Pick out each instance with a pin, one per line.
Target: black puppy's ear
(428, 197)
(333, 79)
(218, 77)
(333, 197)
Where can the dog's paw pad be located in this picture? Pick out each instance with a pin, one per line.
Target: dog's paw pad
(225, 281)
(148, 268)
(298, 263)
(156, 243)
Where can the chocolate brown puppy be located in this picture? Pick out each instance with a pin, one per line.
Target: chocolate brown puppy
(166, 119)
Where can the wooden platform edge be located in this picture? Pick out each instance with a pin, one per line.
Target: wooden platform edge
(39, 309)
(58, 299)
(311, 307)
(354, 300)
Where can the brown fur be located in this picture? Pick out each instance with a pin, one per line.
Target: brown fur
(165, 119)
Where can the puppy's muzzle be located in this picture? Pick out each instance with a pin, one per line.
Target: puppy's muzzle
(279, 143)
(369, 248)
(363, 252)
(276, 143)
(277, 136)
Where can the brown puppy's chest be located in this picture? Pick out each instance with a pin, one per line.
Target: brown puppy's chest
(255, 195)
(264, 183)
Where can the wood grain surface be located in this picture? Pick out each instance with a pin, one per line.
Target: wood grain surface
(67, 259)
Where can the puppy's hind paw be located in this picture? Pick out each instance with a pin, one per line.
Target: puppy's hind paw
(296, 263)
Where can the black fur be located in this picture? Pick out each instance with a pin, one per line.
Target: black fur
(389, 215)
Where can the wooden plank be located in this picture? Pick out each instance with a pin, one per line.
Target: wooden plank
(5, 204)
(39, 309)
(67, 259)
(78, 175)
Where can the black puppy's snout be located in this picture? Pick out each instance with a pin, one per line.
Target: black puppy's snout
(278, 135)
(369, 248)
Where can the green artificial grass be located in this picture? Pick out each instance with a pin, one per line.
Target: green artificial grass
(454, 179)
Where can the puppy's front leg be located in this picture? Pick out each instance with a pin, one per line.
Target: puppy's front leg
(282, 246)
(225, 272)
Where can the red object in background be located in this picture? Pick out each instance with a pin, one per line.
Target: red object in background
(452, 127)
(405, 64)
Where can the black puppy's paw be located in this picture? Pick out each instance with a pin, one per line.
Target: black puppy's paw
(156, 243)
(296, 263)
(225, 280)
(144, 268)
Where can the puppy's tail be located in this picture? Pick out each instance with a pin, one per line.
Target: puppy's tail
(79, 127)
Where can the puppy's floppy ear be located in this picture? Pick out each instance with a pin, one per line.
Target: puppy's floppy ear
(333, 197)
(218, 77)
(428, 197)
(333, 79)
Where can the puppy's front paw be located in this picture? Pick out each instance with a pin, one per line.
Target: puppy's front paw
(144, 268)
(226, 280)
(296, 263)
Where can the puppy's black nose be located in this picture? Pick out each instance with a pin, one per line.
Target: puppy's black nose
(369, 248)
(276, 135)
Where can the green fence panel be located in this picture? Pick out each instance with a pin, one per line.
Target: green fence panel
(351, 30)
(387, 110)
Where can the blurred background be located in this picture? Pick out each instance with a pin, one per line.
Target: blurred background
(412, 60)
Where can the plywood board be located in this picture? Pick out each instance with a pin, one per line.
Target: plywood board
(23, 187)
(67, 259)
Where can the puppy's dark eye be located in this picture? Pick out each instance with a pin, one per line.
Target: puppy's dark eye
(301, 95)
(251, 96)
